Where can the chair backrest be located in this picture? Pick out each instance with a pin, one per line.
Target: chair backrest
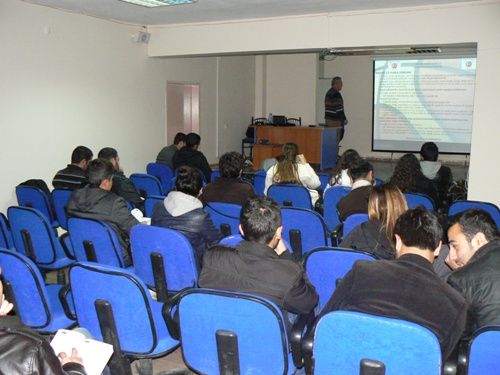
(163, 173)
(146, 184)
(6, 241)
(177, 257)
(135, 313)
(294, 121)
(151, 202)
(290, 195)
(34, 236)
(95, 241)
(327, 265)
(30, 294)
(460, 206)
(259, 182)
(61, 197)
(257, 325)
(215, 174)
(303, 229)
(415, 199)
(226, 216)
(379, 181)
(343, 338)
(324, 179)
(484, 351)
(352, 221)
(231, 240)
(30, 196)
(331, 197)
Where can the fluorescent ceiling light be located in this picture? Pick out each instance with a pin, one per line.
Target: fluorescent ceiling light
(159, 3)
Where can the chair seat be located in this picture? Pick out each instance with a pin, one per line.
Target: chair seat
(59, 318)
(166, 344)
(58, 264)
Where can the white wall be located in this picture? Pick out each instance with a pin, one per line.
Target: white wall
(66, 80)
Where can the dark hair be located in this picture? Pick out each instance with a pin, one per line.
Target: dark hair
(429, 151)
(335, 79)
(179, 137)
(473, 221)
(419, 228)
(188, 181)
(360, 169)
(81, 153)
(231, 164)
(347, 160)
(107, 153)
(260, 217)
(192, 139)
(406, 172)
(100, 170)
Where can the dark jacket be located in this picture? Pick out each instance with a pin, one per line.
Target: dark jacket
(442, 178)
(227, 190)
(166, 156)
(72, 177)
(193, 158)
(24, 352)
(356, 202)
(95, 203)
(123, 187)
(370, 237)
(479, 282)
(406, 288)
(195, 223)
(334, 106)
(255, 268)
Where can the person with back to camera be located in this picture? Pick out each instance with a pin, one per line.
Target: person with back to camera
(376, 236)
(167, 153)
(435, 171)
(340, 174)
(293, 168)
(189, 155)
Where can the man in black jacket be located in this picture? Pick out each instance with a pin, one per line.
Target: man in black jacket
(356, 202)
(74, 176)
(406, 288)
(260, 264)
(475, 253)
(190, 156)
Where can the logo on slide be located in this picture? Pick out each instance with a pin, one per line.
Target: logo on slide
(468, 64)
(394, 65)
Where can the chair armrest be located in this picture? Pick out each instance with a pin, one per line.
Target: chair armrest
(303, 322)
(463, 353)
(63, 240)
(336, 233)
(307, 350)
(63, 297)
(171, 314)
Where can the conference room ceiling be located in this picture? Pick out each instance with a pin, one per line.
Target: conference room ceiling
(221, 10)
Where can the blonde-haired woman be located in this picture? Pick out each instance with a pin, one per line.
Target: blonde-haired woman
(376, 236)
(292, 168)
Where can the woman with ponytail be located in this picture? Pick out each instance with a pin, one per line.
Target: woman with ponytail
(292, 168)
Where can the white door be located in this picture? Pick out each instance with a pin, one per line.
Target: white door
(183, 109)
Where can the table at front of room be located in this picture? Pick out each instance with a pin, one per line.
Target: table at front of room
(318, 144)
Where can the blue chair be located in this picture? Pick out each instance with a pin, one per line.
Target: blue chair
(352, 221)
(37, 304)
(235, 239)
(484, 351)
(146, 184)
(342, 339)
(6, 241)
(414, 199)
(460, 206)
(215, 174)
(34, 237)
(164, 259)
(116, 307)
(61, 197)
(151, 202)
(163, 173)
(379, 181)
(29, 196)
(325, 266)
(95, 241)
(303, 229)
(324, 178)
(259, 182)
(237, 333)
(290, 195)
(331, 197)
(226, 216)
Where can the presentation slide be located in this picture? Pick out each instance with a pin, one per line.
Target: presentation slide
(417, 101)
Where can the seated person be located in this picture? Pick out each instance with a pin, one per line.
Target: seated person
(356, 202)
(293, 168)
(376, 236)
(122, 186)
(435, 171)
(166, 155)
(183, 211)
(408, 178)
(97, 201)
(260, 264)
(190, 156)
(74, 176)
(340, 174)
(406, 288)
(475, 255)
(228, 188)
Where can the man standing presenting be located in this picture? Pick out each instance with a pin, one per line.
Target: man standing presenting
(334, 108)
